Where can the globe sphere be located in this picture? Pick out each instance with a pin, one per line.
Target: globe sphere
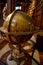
(18, 21)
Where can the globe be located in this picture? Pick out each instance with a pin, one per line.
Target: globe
(18, 22)
(18, 28)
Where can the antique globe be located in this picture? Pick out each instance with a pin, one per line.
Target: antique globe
(18, 28)
(18, 25)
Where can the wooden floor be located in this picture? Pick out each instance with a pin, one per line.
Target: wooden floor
(4, 43)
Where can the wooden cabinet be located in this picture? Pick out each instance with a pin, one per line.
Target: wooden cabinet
(38, 14)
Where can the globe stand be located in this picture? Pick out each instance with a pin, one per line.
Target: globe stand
(17, 54)
(17, 57)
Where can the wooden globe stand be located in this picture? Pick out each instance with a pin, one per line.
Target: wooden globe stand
(17, 54)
